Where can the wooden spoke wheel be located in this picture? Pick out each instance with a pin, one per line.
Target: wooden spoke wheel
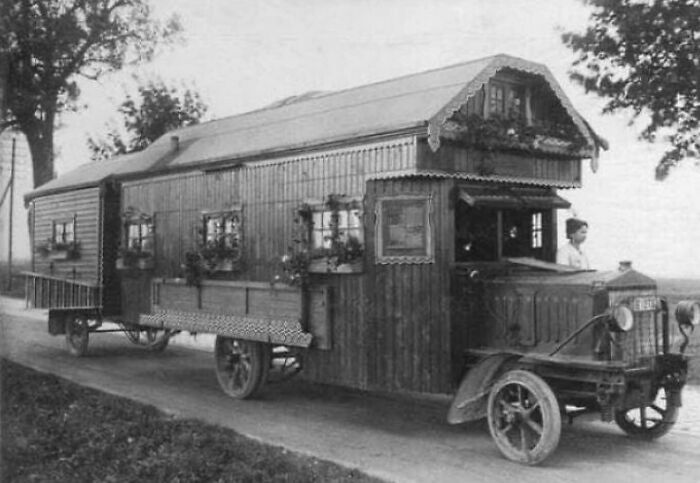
(650, 421)
(77, 334)
(157, 340)
(241, 366)
(524, 417)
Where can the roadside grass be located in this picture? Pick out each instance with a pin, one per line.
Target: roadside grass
(54, 430)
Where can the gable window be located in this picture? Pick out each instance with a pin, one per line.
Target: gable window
(404, 234)
(506, 100)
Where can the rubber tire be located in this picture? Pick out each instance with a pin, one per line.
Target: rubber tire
(548, 413)
(252, 357)
(668, 419)
(77, 334)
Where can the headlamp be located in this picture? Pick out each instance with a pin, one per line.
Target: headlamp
(688, 313)
(622, 317)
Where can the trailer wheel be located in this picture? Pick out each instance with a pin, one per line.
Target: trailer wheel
(241, 366)
(651, 421)
(77, 334)
(524, 418)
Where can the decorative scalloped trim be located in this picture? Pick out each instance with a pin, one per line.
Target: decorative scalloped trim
(498, 63)
(405, 260)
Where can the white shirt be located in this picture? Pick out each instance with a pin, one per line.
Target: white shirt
(572, 256)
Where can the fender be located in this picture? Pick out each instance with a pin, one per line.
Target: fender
(469, 403)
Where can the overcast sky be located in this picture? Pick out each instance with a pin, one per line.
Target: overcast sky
(242, 55)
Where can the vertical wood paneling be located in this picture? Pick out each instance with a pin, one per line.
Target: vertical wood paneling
(84, 205)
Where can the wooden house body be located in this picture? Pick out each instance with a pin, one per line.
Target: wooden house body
(389, 196)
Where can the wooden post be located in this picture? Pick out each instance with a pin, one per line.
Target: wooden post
(12, 197)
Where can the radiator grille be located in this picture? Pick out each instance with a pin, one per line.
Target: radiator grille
(645, 340)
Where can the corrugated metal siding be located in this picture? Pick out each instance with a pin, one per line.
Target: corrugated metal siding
(85, 206)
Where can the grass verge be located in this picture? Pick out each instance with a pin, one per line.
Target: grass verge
(54, 430)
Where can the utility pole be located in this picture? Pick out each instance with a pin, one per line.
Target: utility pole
(12, 197)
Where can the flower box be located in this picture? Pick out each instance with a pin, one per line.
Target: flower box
(65, 254)
(128, 263)
(328, 265)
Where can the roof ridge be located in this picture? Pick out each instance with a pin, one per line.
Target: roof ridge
(348, 89)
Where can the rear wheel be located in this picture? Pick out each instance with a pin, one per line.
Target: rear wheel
(241, 366)
(524, 418)
(77, 334)
(650, 421)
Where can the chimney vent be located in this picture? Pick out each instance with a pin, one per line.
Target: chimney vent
(175, 143)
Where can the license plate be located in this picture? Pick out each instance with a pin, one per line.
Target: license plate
(644, 304)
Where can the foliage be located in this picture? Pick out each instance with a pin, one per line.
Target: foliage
(512, 132)
(49, 44)
(156, 110)
(644, 56)
(208, 257)
(54, 430)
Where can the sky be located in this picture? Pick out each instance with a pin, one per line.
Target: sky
(242, 55)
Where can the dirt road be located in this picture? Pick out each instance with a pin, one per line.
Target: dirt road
(398, 439)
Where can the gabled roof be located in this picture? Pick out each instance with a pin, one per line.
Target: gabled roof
(418, 103)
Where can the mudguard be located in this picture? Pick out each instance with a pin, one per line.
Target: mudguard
(469, 404)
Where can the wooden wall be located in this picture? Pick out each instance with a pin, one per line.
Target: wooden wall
(454, 158)
(269, 193)
(85, 205)
(408, 305)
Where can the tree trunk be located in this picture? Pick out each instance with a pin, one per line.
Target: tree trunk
(40, 139)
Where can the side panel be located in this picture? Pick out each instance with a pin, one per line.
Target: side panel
(84, 206)
(408, 304)
(269, 194)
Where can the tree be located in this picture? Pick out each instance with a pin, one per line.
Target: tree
(49, 44)
(156, 110)
(644, 55)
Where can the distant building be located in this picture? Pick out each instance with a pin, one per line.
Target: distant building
(23, 183)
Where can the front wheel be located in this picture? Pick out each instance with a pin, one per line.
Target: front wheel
(649, 421)
(524, 417)
(241, 366)
(77, 334)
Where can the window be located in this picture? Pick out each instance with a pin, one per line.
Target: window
(404, 234)
(480, 232)
(536, 230)
(349, 225)
(63, 232)
(496, 97)
(222, 233)
(139, 235)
